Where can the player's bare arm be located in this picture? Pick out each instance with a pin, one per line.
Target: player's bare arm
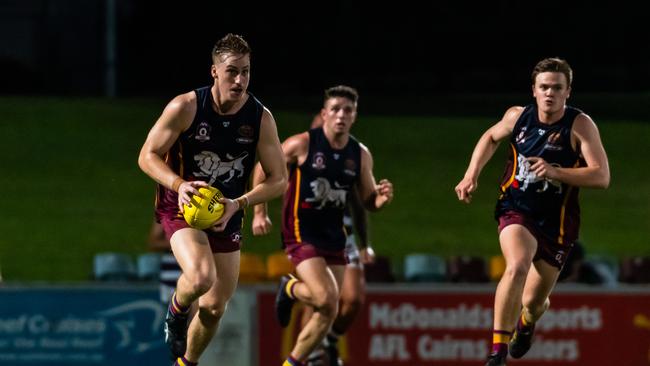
(272, 181)
(359, 218)
(175, 118)
(294, 149)
(373, 195)
(360, 222)
(484, 150)
(587, 139)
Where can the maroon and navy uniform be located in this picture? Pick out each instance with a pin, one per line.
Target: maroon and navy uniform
(316, 198)
(217, 149)
(548, 208)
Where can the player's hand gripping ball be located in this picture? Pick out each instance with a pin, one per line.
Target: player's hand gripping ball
(204, 212)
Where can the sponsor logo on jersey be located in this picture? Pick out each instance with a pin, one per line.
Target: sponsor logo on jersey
(349, 167)
(246, 133)
(553, 142)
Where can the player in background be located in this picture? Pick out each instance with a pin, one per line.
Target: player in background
(210, 136)
(554, 150)
(170, 271)
(326, 165)
(353, 290)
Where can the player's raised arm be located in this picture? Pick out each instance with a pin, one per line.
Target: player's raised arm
(484, 150)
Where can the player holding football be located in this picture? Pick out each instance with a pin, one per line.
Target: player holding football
(326, 165)
(554, 150)
(210, 136)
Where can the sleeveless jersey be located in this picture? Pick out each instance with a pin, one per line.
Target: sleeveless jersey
(551, 205)
(217, 149)
(318, 190)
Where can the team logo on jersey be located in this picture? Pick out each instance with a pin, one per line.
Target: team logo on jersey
(246, 133)
(553, 142)
(336, 156)
(318, 161)
(525, 177)
(521, 137)
(326, 195)
(212, 166)
(541, 132)
(203, 131)
(225, 124)
(349, 167)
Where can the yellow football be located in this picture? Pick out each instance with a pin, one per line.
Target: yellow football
(203, 212)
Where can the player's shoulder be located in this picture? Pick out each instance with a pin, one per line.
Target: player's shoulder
(365, 151)
(583, 118)
(363, 147)
(297, 142)
(298, 139)
(267, 116)
(511, 116)
(513, 112)
(583, 123)
(296, 146)
(183, 103)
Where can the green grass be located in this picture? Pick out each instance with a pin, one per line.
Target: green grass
(71, 186)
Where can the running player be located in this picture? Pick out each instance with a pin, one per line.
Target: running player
(327, 164)
(554, 149)
(210, 136)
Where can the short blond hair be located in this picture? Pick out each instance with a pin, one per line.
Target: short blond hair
(230, 44)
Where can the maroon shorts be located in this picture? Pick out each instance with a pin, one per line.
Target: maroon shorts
(219, 242)
(548, 250)
(298, 252)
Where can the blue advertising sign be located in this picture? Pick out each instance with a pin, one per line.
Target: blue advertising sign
(68, 326)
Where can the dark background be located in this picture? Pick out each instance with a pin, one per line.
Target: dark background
(408, 51)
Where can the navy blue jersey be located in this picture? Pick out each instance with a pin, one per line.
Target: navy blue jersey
(551, 205)
(217, 149)
(318, 191)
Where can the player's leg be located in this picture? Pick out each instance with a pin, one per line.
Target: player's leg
(539, 284)
(318, 287)
(353, 293)
(212, 304)
(192, 251)
(518, 246)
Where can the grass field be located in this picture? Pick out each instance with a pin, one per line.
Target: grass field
(70, 186)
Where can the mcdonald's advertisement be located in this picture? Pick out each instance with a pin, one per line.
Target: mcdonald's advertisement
(449, 328)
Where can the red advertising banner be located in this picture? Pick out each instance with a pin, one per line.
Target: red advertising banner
(402, 326)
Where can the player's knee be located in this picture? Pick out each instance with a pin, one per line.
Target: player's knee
(327, 304)
(213, 311)
(517, 271)
(201, 282)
